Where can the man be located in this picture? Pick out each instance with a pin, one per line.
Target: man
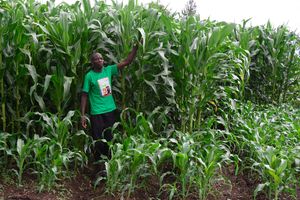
(98, 89)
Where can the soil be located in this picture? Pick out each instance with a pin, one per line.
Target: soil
(80, 187)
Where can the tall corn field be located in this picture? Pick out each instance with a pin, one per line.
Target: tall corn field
(201, 95)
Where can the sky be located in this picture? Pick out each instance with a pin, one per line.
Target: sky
(260, 11)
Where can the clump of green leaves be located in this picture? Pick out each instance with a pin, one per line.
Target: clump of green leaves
(51, 154)
(183, 91)
(267, 138)
(193, 159)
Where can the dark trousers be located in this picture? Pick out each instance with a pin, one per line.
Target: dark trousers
(101, 129)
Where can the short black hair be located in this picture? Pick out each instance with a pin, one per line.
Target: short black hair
(94, 55)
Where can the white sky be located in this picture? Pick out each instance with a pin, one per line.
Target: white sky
(260, 11)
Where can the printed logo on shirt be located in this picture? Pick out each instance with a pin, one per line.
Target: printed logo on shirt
(104, 86)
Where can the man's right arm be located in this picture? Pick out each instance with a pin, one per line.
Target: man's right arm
(84, 97)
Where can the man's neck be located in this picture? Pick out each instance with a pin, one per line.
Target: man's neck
(97, 69)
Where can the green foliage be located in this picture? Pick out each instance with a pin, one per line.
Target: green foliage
(191, 160)
(186, 64)
(183, 99)
(51, 154)
(275, 68)
(267, 138)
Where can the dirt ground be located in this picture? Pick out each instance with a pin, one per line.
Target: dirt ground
(80, 187)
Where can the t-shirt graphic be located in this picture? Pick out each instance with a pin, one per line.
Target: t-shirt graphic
(104, 86)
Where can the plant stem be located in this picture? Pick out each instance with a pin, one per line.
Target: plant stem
(142, 100)
(199, 117)
(2, 85)
(123, 89)
(17, 100)
(191, 119)
(2, 91)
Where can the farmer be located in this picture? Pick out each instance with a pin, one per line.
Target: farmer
(98, 89)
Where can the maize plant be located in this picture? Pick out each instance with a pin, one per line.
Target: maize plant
(200, 95)
(267, 139)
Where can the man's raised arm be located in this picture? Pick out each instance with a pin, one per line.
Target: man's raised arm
(129, 59)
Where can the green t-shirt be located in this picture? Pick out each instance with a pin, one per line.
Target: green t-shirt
(99, 89)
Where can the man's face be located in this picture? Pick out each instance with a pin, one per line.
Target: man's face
(98, 60)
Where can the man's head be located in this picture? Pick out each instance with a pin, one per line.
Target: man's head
(97, 60)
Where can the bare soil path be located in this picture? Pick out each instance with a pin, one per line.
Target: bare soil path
(80, 187)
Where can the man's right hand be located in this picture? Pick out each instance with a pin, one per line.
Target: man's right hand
(83, 121)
